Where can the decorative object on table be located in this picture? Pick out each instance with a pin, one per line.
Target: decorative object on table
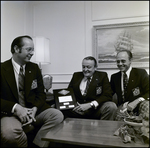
(135, 128)
(134, 121)
(42, 51)
(126, 110)
(64, 98)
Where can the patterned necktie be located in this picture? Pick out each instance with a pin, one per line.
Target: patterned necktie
(125, 83)
(87, 86)
(21, 87)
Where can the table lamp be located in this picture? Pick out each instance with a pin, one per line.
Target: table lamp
(42, 57)
(42, 51)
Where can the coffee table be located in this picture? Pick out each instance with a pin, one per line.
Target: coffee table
(88, 132)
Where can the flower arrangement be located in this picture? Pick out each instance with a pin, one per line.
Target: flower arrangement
(135, 127)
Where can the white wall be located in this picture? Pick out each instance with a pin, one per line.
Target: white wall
(14, 22)
(68, 25)
(63, 23)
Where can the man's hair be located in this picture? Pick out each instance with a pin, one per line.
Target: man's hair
(91, 58)
(128, 52)
(19, 42)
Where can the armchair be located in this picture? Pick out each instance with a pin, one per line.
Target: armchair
(47, 81)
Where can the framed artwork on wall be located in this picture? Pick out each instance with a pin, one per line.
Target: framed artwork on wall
(108, 39)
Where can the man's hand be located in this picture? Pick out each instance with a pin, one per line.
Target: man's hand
(28, 123)
(32, 114)
(22, 113)
(82, 107)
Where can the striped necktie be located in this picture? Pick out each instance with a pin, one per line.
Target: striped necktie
(87, 86)
(21, 87)
(125, 83)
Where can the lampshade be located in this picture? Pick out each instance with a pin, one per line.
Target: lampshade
(41, 50)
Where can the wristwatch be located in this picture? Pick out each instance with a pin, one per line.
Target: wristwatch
(92, 105)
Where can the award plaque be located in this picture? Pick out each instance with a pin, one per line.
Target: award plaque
(64, 98)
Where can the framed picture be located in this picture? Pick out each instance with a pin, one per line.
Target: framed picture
(108, 39)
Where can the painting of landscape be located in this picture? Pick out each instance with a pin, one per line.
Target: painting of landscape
(109, 40)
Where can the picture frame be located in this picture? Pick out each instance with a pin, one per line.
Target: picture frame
(108, 38)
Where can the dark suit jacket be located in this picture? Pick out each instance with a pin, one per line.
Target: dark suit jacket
(34, 96)
(99, 88)
(138, 85)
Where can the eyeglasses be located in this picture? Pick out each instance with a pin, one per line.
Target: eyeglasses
(28, 49)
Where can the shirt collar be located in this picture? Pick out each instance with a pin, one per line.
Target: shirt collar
(17, 66)
(128, 71)
(90, 78)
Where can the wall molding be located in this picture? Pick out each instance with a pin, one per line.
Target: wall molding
(60, 82)
(61, 78)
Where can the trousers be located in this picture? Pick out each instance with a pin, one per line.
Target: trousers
(13, 135)
(106, 111)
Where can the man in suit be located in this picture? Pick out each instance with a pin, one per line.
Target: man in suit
(137, 85)
(15, 115)
(96, 101)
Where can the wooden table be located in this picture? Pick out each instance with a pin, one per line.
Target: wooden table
(87, 132)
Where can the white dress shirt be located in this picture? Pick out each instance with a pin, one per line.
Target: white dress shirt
(82, 89)
(128, 74)
(83, 84)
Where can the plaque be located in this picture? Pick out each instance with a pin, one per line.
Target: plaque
(64, 98)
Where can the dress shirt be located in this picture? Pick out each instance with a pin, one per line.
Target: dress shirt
(16, 68)
(82, 89)
(83, 84)
(128, 74)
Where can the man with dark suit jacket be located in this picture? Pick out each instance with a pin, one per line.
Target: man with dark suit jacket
(96, 101)
(138, 82)
(34, 110)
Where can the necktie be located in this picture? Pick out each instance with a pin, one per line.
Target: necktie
(87, 86)
(21, 87)
(125, 83)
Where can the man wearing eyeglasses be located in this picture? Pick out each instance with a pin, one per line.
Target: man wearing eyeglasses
(23, 98)
(130, 84)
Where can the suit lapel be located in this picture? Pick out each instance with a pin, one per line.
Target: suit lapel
(131, 82)
(10, 78)
(118, 82)
(78, 85)
(94, 82)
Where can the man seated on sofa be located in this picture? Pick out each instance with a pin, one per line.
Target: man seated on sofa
(23, 98)
(132, 88)
(93, 93)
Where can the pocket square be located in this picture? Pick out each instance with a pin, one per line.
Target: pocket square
(34, 84)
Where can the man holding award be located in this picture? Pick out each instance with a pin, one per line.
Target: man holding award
(93, 93)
